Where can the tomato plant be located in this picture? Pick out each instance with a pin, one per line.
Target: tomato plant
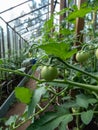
(60, 101)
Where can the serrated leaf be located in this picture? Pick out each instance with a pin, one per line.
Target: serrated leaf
(92, 100)
(84, 100)
(23, 94)
(50, 121)
(58, 49)
(87, 116)
(81, 101)
(35, 99)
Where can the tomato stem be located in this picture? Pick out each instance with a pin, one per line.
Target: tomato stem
(78, 69)
(81, 85)
(35, 114)
(19, 73)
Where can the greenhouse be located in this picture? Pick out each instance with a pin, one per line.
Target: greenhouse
(49, 65)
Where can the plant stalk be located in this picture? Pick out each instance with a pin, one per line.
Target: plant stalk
(35, 114)
(74, 84)
(19, 73)
(80, 70)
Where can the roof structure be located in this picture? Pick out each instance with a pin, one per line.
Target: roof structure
(27, 17)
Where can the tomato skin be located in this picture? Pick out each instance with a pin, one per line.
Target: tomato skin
(82, 56)
(96, 53)
(49, 73)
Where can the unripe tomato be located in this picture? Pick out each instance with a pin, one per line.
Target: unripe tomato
(49, 73)
(82, 56)
(96, 53)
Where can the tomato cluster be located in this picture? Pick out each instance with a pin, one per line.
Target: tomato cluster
(50, 73)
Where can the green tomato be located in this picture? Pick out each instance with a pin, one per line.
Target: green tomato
(82, 56)
(49, 73)
(96, 53)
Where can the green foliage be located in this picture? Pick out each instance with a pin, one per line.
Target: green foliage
(72, 98)
(23, 94)
(87, 116)
(50, 121)
(84, 100)
(61, 50)
(79, 14)
(35, 99)
(1, 61)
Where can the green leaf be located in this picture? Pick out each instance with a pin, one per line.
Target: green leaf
(48, 25)
(87, 116)
(82, 100)
(62, 11)
(78, 13)
(71, 53)
(58, 49)
(50, 121)
(92, 100)
(23, 94)
(64, 123)
(35, 99)
(65, 31)
(1, 61)
(70, 104)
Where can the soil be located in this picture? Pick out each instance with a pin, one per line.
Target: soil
(18, 108)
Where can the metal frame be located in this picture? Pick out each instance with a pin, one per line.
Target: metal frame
(15, 27)
(15, 40)
(15, 6)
